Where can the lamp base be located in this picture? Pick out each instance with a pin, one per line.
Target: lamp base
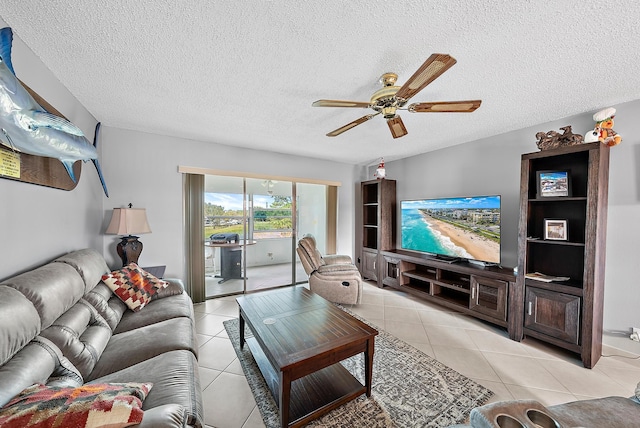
(129, 249)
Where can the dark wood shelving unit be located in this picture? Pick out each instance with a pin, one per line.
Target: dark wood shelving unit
(378, 225)
(566, 313)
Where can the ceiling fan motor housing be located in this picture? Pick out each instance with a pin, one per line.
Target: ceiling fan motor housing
(384, 101)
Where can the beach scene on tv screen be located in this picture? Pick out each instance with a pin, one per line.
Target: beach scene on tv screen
(457, 227)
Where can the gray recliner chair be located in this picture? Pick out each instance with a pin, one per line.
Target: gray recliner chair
(612, 411)
(333, 277)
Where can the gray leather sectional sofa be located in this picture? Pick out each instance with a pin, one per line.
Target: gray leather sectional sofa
(60, 325)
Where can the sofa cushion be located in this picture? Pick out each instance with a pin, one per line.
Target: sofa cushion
(38, 362)
(133, 285)
(144, 343)
(308, 245)
(52, 288)
(81, 334)
(89, 264)
(333, 259)
(158, 310)
(64, 372)
(175, 378)
(108, 305)
(19, 322)
(91, 406)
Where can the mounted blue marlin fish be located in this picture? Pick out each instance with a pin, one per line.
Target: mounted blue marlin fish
(27, 127)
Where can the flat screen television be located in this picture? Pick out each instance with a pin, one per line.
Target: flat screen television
(465, 228)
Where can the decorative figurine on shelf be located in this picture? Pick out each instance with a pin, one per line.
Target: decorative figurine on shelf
(604, 127)
(380, 171)
(591, 136)
(552, 139)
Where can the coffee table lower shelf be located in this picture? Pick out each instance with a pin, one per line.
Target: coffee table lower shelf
(311, 395)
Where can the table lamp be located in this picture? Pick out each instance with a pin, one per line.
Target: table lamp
(128, 222)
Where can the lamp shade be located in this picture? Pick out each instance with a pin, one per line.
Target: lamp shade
(128, 221)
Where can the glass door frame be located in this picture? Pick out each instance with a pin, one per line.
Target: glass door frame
(194, 222)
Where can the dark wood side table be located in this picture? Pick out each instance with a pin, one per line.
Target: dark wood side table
(157, 271)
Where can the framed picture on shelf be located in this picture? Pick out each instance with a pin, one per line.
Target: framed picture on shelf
(555, 230)
(554, 183)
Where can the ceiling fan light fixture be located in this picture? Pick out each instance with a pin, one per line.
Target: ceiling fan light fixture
(389, 112)
(391, 98)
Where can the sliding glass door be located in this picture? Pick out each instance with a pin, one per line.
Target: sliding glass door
(224, 235)
(250, 230)
(270, 223)
(313, 215)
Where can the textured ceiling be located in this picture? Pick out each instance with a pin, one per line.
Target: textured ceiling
(245, 73)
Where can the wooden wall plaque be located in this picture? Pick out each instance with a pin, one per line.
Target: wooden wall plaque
(37, 169)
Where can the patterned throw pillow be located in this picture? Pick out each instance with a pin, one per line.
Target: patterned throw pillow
(133, 285)
(89, 406)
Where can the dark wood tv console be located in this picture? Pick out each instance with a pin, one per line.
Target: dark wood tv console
(485, 292)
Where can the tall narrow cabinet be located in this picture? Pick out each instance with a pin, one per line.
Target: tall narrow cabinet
(562, 233)
(378, 225)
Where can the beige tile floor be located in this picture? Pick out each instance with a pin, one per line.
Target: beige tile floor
(258, 277)
(478, 350)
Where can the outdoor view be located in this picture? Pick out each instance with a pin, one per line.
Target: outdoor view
(270, 217)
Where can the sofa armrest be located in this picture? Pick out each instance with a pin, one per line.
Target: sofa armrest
(337, 268)
(332, 259)
(166, 416)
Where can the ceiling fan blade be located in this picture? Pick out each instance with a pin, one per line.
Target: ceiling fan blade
(340, 103)
(396, 126)
(353, 124)
(432, 68)
(445, 107)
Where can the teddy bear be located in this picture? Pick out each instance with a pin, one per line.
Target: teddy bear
(603, 131)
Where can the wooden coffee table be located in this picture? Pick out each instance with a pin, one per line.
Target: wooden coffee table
(299, 340)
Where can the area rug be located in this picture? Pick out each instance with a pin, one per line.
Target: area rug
(409, 388)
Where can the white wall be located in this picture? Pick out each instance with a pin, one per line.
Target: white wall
(492, 166)
(39, 223)
(142, 169)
